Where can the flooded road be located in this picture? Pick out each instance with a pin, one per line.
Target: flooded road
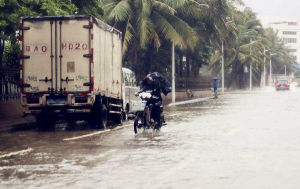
(242, 140)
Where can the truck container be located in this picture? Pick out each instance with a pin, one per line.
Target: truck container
(71, 65)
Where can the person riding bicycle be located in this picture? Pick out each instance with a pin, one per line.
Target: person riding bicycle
(156, 83)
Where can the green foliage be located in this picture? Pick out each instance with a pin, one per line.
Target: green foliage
(246, 46)
(11, 56)
(90, 7)
(12, 10)
(57, 7)
(148, 22)
(149, 27)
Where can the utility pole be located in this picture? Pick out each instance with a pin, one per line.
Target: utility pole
(250, 67)
(173, 73)
(270, 82)
(270, 79)
(223, 74)
(264, 75)
(284, 70)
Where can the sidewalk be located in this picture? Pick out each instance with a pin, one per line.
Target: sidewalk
(190, 101)
(182, 96)
(11, 114)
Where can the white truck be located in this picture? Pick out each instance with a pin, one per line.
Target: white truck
(72, 66)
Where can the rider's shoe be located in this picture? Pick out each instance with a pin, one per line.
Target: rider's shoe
(157, 127)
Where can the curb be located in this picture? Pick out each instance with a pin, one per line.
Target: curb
(189, 101)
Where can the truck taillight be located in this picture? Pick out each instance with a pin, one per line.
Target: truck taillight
(21, 85)
(21, 53)
(92, 57)
(92, 36)
(21, 25)
(21, 37)
(92, 84)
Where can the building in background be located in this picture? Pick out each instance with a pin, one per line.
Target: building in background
(289, 32)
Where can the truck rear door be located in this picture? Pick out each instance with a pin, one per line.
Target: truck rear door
(37, 56)
(56, 55)
(75, 56)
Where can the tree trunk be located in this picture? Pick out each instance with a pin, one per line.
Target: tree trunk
(1, 64)
(196, 69)
(181, 66)
(1, 52)
(135, 66)
(147, 68)
(187, 67)
(237, 75)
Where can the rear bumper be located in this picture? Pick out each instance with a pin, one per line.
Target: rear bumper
(70, 106)
(32, 110)
(282, 88)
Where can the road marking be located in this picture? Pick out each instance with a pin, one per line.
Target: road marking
(189, 101)
(119, 128)
(22, 152)
(177, 168)
(96, 133)
(232, 132)
(245, 156)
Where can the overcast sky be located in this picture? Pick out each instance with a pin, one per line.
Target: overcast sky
(275, 10)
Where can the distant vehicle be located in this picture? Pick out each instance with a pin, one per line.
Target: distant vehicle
(282, 84)
(71, 65)
(297, 80)
(131, 102)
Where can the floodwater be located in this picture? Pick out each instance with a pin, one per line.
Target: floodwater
(242, 140)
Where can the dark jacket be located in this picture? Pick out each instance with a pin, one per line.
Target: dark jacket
(159, 84)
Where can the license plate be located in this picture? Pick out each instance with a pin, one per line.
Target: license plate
(143, 105)
(57, 100)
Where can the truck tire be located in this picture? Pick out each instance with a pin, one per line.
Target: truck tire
(103, 117)
(119, 119)
(99, 119)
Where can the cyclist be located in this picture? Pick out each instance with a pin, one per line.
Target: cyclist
(156, 83)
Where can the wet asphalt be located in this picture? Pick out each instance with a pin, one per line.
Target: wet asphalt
(241, 140)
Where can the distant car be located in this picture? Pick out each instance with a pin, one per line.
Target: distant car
(282, 84)
(297, 80)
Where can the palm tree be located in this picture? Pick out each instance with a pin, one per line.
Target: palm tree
(148, 24)
(243, 47)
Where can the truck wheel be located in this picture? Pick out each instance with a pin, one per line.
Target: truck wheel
(138, 124)
(119, 118)
(99, 116)
(124, 116)
(102, 117)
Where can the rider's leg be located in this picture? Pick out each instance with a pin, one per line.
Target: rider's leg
(157, 112)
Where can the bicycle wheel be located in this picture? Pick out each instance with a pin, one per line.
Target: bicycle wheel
(138, 123)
